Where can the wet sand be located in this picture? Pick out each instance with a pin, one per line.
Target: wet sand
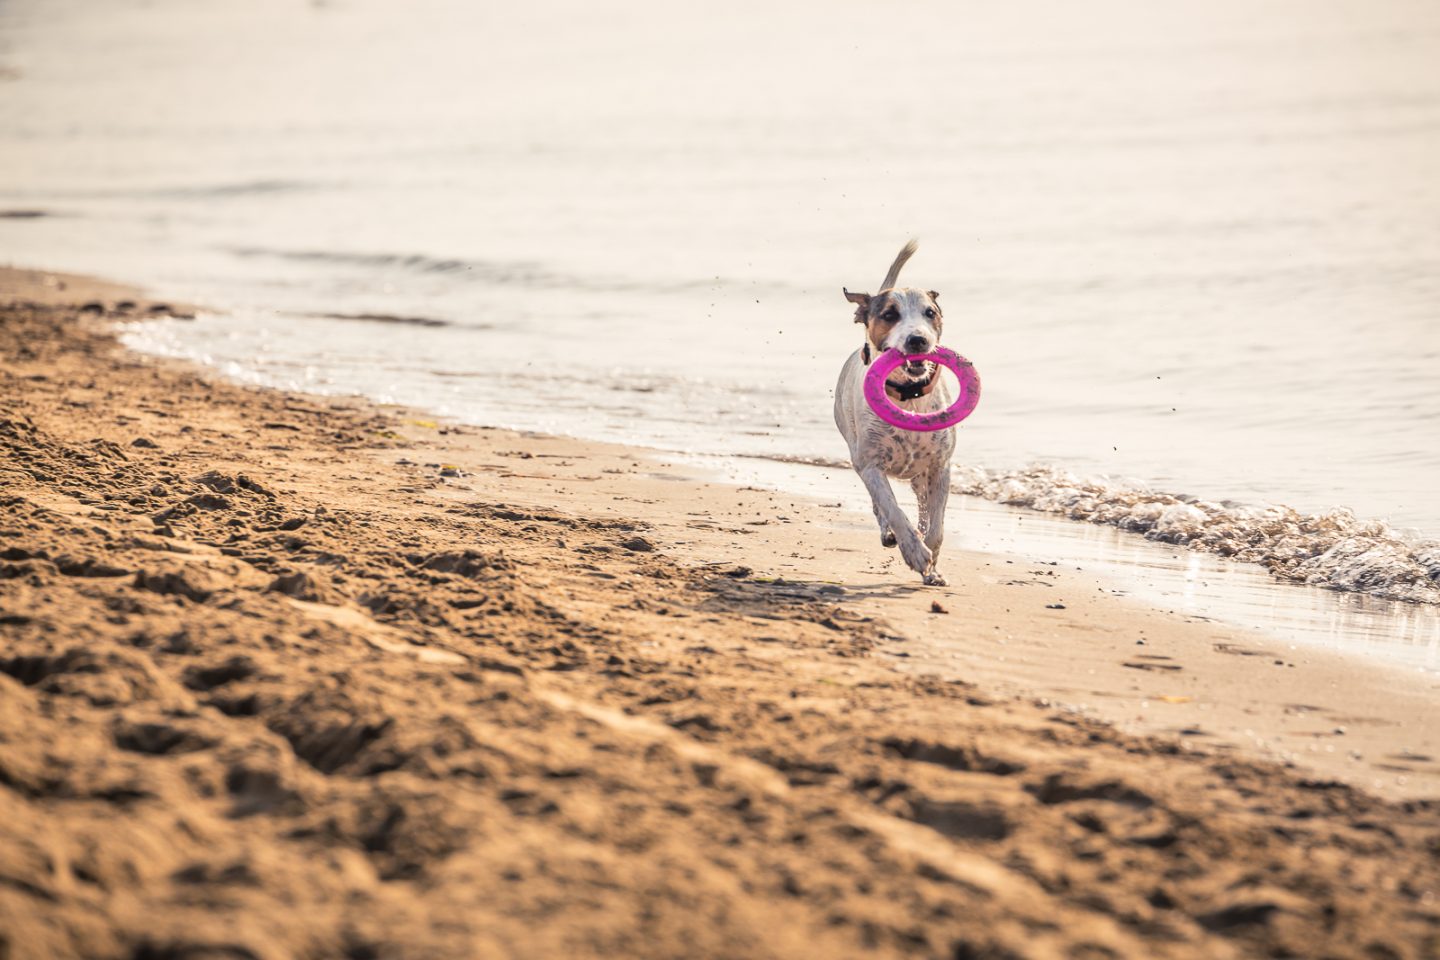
(291, 676)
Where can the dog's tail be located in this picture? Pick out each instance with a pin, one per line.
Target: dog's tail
(906, 252)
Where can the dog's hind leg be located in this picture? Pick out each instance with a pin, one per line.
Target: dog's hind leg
(931, 494)
(888, 513)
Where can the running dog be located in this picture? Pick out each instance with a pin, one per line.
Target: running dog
(908, 320)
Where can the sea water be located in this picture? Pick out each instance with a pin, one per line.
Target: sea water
(1193, 248)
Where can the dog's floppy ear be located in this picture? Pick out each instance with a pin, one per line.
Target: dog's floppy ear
(862, 304)
(934, 296)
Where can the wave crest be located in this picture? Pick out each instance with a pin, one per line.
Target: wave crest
(1334, 549)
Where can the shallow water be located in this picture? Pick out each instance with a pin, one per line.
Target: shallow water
(1196, 244)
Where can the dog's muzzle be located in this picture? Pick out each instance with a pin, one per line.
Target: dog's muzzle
(916, 345)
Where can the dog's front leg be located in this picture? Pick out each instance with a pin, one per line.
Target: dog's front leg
(887, 509)
(932, 492)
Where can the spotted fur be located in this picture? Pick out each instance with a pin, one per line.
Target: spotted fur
(906, 319)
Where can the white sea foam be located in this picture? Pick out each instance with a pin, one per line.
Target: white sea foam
(1335, 549)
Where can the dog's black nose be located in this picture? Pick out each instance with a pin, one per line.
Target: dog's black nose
(917, 344)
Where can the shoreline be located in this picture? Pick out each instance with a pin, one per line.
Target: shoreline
(1332, 547)
(652, 724)
(1216, 702)
(1382, 705)
(1234, 592)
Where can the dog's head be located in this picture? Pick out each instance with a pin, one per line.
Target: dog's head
(900, 318)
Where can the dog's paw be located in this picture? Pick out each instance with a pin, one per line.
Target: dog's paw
(887, 539)
(917, 556)
(936, 579)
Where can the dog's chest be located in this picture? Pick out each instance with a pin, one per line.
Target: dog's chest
(907, 454)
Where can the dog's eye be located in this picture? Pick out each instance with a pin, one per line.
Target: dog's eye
(890, 316)
(929, 313)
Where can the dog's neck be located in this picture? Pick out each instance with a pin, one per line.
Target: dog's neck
(909, 390)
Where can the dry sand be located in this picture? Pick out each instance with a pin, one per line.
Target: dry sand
(283, 676)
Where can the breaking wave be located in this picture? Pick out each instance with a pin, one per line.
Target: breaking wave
(1335, 550)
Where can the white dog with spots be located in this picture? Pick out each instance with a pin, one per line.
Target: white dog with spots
(908, 320)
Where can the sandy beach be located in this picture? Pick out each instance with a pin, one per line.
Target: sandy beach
(291, 676)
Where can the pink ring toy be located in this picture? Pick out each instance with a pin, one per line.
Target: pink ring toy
(887, 410)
